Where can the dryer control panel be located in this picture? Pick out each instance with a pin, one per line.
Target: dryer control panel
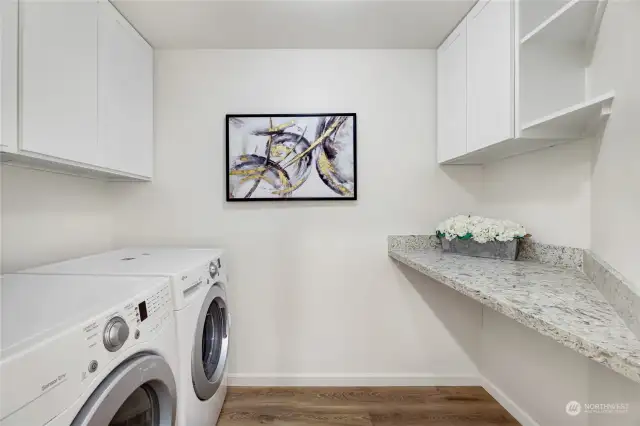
(188, 284)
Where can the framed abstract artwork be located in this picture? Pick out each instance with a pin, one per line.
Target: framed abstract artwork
(288, 157)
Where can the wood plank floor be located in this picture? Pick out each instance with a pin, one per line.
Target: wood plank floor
(381, 406)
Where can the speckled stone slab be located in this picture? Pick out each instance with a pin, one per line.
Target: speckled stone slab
(529, 249)
(618, 291)
(412, 242)
(558, 302)
(569, 257)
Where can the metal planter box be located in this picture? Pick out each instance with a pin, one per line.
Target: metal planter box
(493, 249)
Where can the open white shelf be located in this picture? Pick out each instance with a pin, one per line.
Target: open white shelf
(577, 22)
(575, 122)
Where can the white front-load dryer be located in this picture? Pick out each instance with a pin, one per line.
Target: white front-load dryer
(87, 351)
(199, 286)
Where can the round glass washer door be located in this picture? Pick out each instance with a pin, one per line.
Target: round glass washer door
(139, 392)
(211, 344)
(140, 409)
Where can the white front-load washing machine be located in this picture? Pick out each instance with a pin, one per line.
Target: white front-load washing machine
(199, 284)
(87, 351)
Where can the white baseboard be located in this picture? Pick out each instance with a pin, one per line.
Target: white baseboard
(339, 380)
(518, 413)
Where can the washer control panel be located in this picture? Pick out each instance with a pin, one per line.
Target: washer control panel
(115, 334)
(152, 304)
(117, 328)
(51, 374)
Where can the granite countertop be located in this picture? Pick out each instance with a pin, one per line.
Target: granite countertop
(556, 301)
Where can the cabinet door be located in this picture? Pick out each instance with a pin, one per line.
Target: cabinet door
(8, 75)
(58, 79)
(490, 85)
(452, 95)
(125, 92)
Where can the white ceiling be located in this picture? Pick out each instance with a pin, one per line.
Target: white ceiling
(310, 24)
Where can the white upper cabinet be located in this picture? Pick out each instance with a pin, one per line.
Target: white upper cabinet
(77, 89)
(526, 67)
(9, 76)
(452, 95)
(490, 73)
(125, 94)
(58, 79)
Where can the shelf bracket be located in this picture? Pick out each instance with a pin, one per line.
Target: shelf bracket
(596, 128)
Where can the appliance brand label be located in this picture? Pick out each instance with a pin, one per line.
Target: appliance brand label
(47, 386)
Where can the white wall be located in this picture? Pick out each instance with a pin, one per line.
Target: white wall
(548, 191)
(539, 377)
(48, 217)
(535, 372)
(582, 194)
(314, 292)
(616, 174)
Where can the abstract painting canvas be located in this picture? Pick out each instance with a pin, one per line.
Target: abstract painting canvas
(291, 157)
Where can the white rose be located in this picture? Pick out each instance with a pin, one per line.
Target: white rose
(477, 229)
(476, 219)
(460, 229)
(504, 237)
(481, 238)
(450, 229)
(482, 229)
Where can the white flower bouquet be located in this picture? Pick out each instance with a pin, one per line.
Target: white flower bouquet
(481, 236)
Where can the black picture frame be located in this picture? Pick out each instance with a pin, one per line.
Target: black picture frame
(354, 197)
